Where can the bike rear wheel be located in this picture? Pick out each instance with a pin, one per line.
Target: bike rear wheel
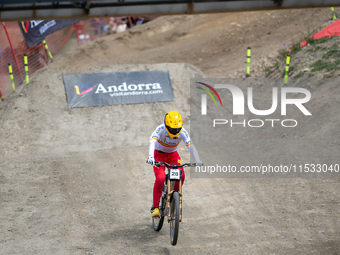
(157, 222)
(174, 222)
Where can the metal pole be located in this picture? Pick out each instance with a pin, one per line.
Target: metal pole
(11, 75)
(287, 69)
(48, 52)
(248, 61)
(334, 16)
(43, 49)
(131, 25)
(77, 34)
(26, 69)
(1, 96)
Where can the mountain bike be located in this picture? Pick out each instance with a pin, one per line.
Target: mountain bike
(170, 204)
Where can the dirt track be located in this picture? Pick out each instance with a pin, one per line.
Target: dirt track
(74, 181)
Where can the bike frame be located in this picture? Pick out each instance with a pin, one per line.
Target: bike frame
(171, 184)
(171, 200)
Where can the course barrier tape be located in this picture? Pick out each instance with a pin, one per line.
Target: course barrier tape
(13, 47)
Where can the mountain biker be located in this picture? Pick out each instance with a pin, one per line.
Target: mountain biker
(163, 148)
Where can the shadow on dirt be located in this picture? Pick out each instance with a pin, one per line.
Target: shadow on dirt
(327, 247)
(142, 236)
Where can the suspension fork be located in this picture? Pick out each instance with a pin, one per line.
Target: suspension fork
(168, 201)
(180, 200)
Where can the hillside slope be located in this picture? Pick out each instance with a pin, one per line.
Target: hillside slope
(215, 43)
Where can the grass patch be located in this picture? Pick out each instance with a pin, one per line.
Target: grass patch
(269, 69)
(330, 53)
(324, 65)
(314, 49)
(311, 41)
(300, 74)
(334, 51)
(320, 65)
(282, 53)
(295, 47)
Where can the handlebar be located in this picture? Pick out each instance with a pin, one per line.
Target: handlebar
(158, 163)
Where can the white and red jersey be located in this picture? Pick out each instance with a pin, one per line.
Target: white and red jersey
(161, 141)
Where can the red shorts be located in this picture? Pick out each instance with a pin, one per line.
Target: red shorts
(171, 158)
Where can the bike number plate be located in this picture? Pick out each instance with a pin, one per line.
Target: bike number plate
(175, 174)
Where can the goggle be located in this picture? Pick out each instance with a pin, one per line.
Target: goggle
(173, 131)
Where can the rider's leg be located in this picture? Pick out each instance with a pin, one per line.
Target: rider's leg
(176, 160)
(160, 178)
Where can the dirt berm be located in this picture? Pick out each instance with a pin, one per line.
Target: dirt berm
(74, 181)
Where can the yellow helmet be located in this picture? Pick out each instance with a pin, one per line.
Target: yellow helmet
(173, 124)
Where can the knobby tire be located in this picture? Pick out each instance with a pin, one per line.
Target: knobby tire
(157, 222)
(174, 223)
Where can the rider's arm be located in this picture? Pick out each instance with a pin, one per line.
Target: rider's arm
(153, 140)
(194, 153)
(191, 147)
(152, 144)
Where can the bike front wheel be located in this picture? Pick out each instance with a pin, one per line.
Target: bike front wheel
(174, 222)
(157, 222)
